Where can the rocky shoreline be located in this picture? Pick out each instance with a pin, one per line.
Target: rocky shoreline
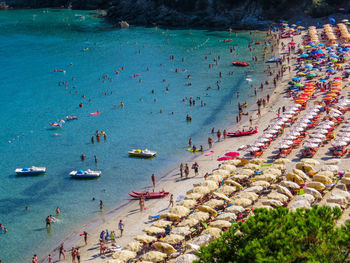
(213, 14)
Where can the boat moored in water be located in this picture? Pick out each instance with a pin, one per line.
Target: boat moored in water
(243, 133)
(31, 171)
(240, 64)
(142, 153)
(87, 174)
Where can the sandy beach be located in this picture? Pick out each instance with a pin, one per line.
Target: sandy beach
(135, 221)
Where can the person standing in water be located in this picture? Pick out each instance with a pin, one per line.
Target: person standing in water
(153, 182)
(101, 205)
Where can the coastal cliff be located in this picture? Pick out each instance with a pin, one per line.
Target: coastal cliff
(196, 13)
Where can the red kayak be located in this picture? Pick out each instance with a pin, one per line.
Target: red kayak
(240, 64)
(149, 195)
(144, 193)
(242, 133)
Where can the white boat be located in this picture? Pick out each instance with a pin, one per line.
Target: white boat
(87, 174)
(30, 171)
(142, 153)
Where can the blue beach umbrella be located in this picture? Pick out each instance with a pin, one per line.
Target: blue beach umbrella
(332, 20)
(321, 45)
(296, 79)
(330, 70)
(324, 80)
(346, 49)
(328, 48)
(304, 55)
(334, 56)
(308, 66)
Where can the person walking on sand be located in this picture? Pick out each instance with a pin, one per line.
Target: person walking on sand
(85, 234)
(154, 182)
(121, 227)
(171, 201)
(142, 203)
(77, 252)
(61, 253)
(73, 254)
(218, 134)
(181, 169)
(187, 170)
(195, 167)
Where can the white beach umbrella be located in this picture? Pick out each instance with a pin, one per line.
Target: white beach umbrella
(310, 145)
(317, 135)
(339, 144)
(253, 149)
(315, 140)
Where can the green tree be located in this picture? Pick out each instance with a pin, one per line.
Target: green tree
(279, 235)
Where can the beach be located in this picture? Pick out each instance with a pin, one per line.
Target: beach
(299, 111)
(135, 221)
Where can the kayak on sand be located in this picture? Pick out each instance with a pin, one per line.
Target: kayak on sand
(243, 133)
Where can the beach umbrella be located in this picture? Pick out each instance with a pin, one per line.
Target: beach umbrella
(277, 196)
(173, 239)
(346, 180)
(225, 158)
(170, 216)
(292, 43)
(179, 210)
(228, 167)
(261, 183)
(304, 55)
(221, 196)
(322, 179)
(235, 209)
(341, 200)
(232, 154)
(188, 222)
(249, 195)
(290, 184)
(279, 166)
(332, 205)
(145, 238)
(154, 256)
(201, 240)
(134, 246)
(201, 190)
(240, 177)
(307, 197)
(234, 183)
(215, 232)
(272, 202)
(258, 161)
(242, 202)
(247, 171)
(227, 216)
(187, 203)
(303, 204)
(124, 255)
(213, 203)
(164, 247)
(282, 161)
(295, 178)
(193, 196)
(221, 172)
(341, 193)
(220, 224)
(274, 171)
(338, 78)
(204, 208)
(186, 258)
(284, 190)
(296, 79)
(313, 192)
(200, 216)
(252, 166)
(212, 185)
(216, 178)
(266, 177)
(164, 223)
(183, 231)
(254, 189)
(154, 230)
(283, 146)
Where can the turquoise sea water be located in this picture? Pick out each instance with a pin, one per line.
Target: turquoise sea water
(35, 42)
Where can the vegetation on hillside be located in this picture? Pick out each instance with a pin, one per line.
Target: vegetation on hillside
(279, 235)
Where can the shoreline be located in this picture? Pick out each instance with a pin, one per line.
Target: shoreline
(172, 175)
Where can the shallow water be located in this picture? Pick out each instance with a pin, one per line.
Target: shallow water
(32, 44)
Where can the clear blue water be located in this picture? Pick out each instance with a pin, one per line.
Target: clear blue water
(32, 44)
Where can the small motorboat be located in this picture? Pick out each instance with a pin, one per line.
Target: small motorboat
(30, 171)
(273, 60)
(69, 118)
(88, 174)
(149, 195)
(243, 133)
(57, 124)
(240, 64)
(142, 153)
(153, 193)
